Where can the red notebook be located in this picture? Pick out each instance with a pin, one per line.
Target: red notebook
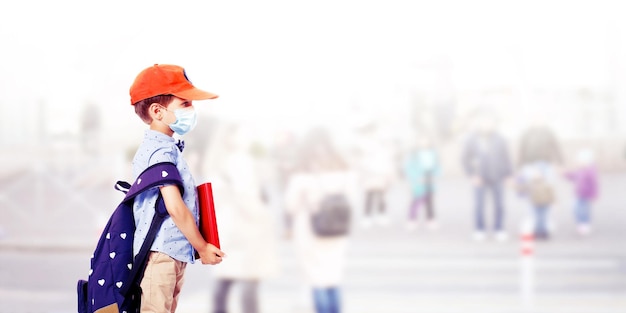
(208, 225)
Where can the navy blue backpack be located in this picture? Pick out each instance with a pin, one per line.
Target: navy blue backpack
(114, 277)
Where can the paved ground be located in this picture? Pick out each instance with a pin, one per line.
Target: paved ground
(48, 239)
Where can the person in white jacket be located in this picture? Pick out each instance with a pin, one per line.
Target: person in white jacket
(245, 222)
(322, 171)
(377, 172)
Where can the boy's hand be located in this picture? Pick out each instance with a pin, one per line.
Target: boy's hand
(211, 255)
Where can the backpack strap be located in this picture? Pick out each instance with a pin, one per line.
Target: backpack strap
(159, 174)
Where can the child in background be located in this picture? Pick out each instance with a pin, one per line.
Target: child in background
(375, 167)
(536, 184)
(420, 167)
(585, 181)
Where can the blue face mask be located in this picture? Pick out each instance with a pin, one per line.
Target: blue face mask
(186, 120)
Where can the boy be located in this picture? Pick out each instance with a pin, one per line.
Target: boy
(162, 97)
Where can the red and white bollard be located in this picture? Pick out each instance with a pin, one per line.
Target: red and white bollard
(527, 269)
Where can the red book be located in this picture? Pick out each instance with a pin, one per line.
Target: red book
(208, 225)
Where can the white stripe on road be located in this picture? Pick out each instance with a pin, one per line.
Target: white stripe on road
(476, 263)
(17, 295)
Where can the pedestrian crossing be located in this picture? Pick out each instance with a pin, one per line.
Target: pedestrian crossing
(448, 276)
(388, 268)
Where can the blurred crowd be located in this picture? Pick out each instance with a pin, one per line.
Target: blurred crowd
(297, 171)
(267, 190)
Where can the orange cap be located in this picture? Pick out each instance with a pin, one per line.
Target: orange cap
(165, 79)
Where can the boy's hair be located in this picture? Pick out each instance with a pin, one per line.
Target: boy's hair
(142, 106)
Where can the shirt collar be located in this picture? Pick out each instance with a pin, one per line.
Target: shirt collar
(158, 136)
(161, 137)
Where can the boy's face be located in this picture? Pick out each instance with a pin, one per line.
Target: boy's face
(177, 103)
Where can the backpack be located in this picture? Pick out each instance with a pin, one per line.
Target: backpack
(332, 217)
(115, 275)
(540, 192)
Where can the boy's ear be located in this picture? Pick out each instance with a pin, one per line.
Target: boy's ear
(156, 111)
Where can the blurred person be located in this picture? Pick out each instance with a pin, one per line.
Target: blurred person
(584, 178)
(487, 163)
(535, 183)
(244, 218)
(539, 157)
(284, 153)
(284, 158)
(420, 168)
(539, 143)
(322, 172)
(161, 96)
(377, 170)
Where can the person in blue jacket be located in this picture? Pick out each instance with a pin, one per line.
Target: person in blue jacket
(486, 160)
(420, 168)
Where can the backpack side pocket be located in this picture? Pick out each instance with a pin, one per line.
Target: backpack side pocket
(81, 289)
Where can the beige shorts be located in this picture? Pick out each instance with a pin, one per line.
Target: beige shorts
(161, 283)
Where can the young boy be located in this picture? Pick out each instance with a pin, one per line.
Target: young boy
(162, 96)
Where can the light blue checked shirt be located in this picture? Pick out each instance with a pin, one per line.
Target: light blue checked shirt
(156, 148)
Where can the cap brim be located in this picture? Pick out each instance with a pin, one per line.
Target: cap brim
(195, 94)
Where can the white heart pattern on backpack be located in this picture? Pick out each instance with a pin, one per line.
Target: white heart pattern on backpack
(164, 173)
(118, 284)
(138, 181)
(130, 266)
(101, 282)
(123, 235)
(112, 255)
(108, 235)
(90, 272)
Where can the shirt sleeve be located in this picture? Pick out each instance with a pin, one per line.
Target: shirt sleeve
(162, 155)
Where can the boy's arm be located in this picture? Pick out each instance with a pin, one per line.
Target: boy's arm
(184, 220)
